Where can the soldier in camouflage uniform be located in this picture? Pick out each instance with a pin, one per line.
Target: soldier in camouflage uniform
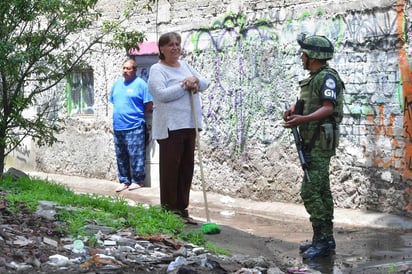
(322, 93)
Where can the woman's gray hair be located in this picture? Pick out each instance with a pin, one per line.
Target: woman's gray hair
(165, 39)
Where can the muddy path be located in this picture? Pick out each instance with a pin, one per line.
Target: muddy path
(359, 249)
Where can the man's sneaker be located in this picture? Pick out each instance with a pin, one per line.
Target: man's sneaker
(134, 186)
(121, 187)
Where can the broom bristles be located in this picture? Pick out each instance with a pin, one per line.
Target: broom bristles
(210, 228)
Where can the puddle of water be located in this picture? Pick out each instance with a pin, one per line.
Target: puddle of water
(358, 250)
(324, 265)
(259, 225)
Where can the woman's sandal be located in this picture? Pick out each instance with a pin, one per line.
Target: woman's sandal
(189, 220)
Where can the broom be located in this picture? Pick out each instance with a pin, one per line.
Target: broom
(208, 227)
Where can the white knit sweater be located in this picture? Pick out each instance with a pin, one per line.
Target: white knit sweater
(171, 103)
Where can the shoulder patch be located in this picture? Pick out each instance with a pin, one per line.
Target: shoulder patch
(329, 88)
(330, 83)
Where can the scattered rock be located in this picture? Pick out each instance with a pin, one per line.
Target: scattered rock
(33, 243)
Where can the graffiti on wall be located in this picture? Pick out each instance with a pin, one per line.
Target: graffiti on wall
(255, 66)
(406, 80)
(245, 80)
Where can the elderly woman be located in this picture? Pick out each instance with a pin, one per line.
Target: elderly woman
(170, 82)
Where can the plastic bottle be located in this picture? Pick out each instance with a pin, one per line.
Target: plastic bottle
(179, 261)
(78, 246)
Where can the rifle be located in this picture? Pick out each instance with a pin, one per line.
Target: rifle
(298, 139)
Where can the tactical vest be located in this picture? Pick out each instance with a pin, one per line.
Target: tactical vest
(310, 89)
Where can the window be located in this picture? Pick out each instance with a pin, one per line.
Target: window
(80, 92)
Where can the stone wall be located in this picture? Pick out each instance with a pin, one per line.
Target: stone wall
(248, 49)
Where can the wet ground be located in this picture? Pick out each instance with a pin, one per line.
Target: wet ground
(367, 242)
(359, 249)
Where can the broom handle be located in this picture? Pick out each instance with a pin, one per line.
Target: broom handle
(199, 154)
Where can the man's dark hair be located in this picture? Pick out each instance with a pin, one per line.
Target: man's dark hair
(134, 62)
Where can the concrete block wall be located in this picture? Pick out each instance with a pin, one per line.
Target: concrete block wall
(249, 51)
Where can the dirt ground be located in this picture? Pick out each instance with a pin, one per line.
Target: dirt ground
(360, 249)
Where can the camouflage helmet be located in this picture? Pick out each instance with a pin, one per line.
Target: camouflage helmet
(316, 46)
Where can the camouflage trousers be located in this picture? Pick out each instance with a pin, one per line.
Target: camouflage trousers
(316, 195)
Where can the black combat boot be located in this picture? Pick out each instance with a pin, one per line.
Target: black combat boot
(316, 234)
(327, 230)
(328, 227)
(319, 248)
(305, 246)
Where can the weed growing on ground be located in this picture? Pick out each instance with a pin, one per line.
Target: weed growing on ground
(78, 210)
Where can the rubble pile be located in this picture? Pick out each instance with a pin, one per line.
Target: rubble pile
(33, 243)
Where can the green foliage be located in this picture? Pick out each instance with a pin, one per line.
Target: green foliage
(216, 249)
(38, 47)
(195, 237)
(78, 210)
(41, 42)
(29, 192)
(392, 268)
(154, 220)
(92, 241)
(123, 39)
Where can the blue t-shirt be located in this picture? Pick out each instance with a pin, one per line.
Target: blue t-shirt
(128, 101)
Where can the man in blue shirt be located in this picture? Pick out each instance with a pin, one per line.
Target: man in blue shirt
(131, 100)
